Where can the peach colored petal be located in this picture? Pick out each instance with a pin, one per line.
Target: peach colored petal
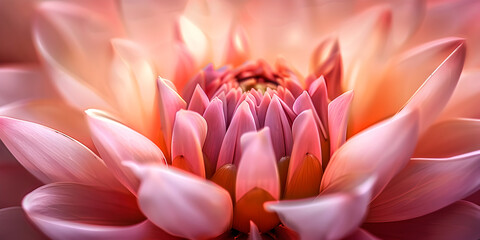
(173, 200)
(382, 150)
(169, 103)
(24, 82)
(189, 133)
(242, 122)
(463, 102)
(338, 111)
(459, 220)
(426, 185)
(15, 225)
(238, 49)
(77, 211)
(449, 138)
(52, 156)
(258, 166)
(334, 214)
(118, 143)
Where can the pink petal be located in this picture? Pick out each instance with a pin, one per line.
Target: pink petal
(182, 204)
(338, 111)
(54, 114)
(242, 122)
(118, 143)
(52, 156)
(169, 102)
(463, 102)
(306, 139)
(262, 109)
(407, 17)
(379, 157)
(216, 128)
(258, 165)
(433, 95)
(189, 133)
(254, 233)
(319, 97)
(304, 102)
(281, 133)
(76, 211)
(426, 185)
(63, 35)
(333, 214)
(460, 220)
(24, 82)
(449, 138)
(199, 101)
(15, 225)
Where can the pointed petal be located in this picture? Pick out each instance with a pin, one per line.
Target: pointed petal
(281, 133)
(380, 157)
(304, 102)
(15, 225)
(191, 201)
(77, 211)
(258, 166)
(254, 233)
(434, 94)
(338, 111)
(242, 122)
(24, 82)
(216, 128)
(426, 185)
(54, 114)
(52, 156)
(334, 214)
(118, 143)
(449, 138)
(326, 61)
(306, 139)
(319, 97)
(189, 133)
(195, 41)
(459, 220)
(199, 100)
(169, 102)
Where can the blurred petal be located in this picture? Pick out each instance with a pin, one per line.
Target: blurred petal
(380, 157)
(258, 166)
(169, 102)
(15, 225)
(242, 122)
(463, 102)
(238, 49)
(426, 185)
(183, 204)
(338, 111)
(460, 220)
(449, 138)
(361, 234)
(24, 82)
(254, 233)
(189, 133)
(76, 211)
(326, 61)
(280, 130)
(118, 143)
(52, 156)
(334, 214)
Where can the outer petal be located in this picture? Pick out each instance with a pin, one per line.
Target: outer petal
(189, 133)
(333, 214)
(338, 111)
(183, 204)
(24, 82)
(457, 221)
(15, 225)
(169, 102)
(118, 143)
(372, 151)
(242, 122)
(258, 165)
(463, 102)
(52, 156)
(76, 211)
(427, 185)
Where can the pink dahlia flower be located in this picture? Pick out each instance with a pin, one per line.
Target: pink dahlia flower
(270, 120)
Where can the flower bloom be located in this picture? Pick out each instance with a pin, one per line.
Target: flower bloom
(379, 138)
